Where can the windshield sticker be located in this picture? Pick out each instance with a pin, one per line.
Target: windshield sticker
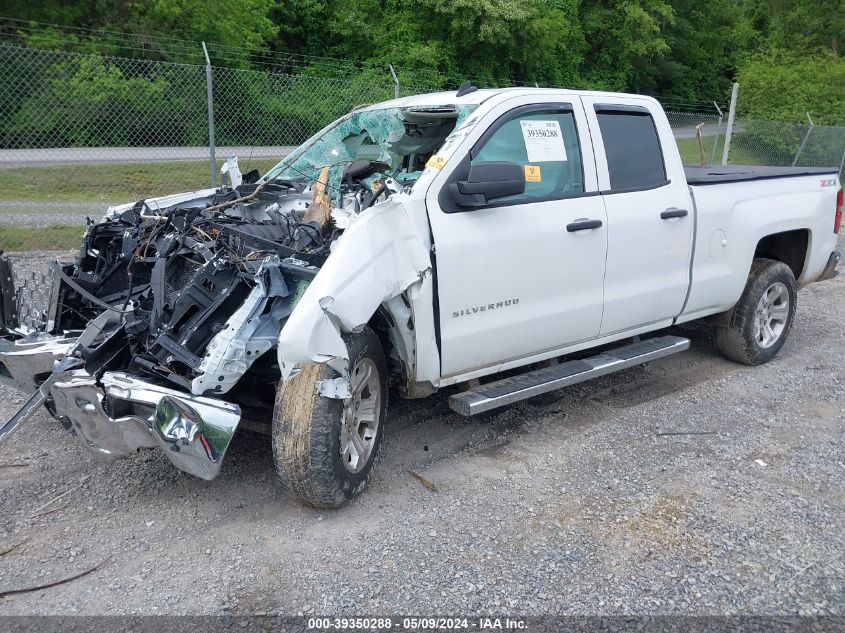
(543, 141)
(437, 161)
(532, 173)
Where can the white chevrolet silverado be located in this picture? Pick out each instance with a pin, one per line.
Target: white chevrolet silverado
(476, 238)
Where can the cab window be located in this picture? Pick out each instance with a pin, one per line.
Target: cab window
(545, 143)
(632, 147)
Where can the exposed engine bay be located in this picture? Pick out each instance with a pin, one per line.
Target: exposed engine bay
(203, 286)
(167, 328)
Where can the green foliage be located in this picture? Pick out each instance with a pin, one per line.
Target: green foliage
(112, 183)
(93, 101)
(786, 53)
(622, 34)
(704, 43)
(798, 25)
(784, 86)
(241, 23)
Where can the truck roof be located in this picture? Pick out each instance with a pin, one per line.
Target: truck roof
(483, 94)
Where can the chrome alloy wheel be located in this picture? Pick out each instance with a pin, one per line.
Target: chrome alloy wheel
(361, 416)
(771, 315)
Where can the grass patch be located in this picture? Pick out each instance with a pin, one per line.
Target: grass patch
(112, 183)
(57, 237)
(116, 183)
(690, 154)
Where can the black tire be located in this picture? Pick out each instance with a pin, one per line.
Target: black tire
(738, 341)
(307, 446)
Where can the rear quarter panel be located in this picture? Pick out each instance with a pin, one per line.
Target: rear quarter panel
(731, 219)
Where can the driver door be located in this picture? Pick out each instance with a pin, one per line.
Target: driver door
(522, 274)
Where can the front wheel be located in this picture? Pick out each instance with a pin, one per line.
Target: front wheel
(763, 315)
(325, 448)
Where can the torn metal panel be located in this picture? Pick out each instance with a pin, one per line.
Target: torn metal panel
(198, 288)
(58, 367)
(376, 259)
(250, 332)
(338, 388)
(161, 202)
(231, 169)
(8, 304)
(24, 360)
(194, 432)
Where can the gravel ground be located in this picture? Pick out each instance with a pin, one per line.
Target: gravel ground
(690, 485)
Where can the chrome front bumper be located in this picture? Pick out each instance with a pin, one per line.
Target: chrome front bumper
(119, 414)
(24, 363)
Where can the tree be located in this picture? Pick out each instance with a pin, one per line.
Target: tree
(622, 35)
(705, 43)
(784, 86)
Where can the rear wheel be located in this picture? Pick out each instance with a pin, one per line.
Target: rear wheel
(763, 315)
(325, 448)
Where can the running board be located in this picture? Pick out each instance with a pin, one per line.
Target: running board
(533, 383)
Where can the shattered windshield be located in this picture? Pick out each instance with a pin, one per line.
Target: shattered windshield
(396, 141)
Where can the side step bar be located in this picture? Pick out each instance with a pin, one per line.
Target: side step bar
(533, 383)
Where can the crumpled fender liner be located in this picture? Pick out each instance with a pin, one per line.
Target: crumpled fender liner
(378, 257)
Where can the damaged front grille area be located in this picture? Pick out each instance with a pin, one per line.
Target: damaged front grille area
(176, 277)
(172, 316)
(25, 306)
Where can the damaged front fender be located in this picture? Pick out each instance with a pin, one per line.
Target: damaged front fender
(378, 257)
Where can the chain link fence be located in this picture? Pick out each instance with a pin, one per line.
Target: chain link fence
(686, 125)
(80, 132)
(761, 142)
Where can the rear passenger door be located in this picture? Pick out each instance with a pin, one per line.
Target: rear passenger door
(649, 214)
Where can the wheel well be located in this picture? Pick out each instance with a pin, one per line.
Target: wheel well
(380, 323)
(789, 247)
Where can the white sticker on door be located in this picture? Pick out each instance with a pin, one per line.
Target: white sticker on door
(543, 141)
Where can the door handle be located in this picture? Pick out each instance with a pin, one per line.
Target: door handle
(583, 225)
(672, 212)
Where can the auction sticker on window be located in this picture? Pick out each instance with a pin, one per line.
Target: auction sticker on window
(543, 141)
(532, 173)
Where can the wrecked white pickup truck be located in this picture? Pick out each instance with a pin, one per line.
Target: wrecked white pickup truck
(411, 245)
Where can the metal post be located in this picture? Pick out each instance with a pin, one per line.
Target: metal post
(804, 142)
(210, 95)
(730, 127)
(842, 163)
(718, 132)
(395, 82)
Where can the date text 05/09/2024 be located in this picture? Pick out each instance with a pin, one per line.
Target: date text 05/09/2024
(418, 624)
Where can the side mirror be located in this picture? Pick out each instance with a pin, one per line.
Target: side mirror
(488, 181)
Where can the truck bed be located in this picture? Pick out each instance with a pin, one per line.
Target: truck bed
(718, 174)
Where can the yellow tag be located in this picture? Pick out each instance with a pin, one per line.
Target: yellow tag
(532, 173)
(437, 161)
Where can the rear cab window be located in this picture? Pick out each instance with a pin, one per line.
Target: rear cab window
(632, 148)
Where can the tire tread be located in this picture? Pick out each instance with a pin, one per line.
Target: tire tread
(735, 341)
(304, 424)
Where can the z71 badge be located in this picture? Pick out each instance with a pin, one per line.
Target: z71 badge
(829, 182)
